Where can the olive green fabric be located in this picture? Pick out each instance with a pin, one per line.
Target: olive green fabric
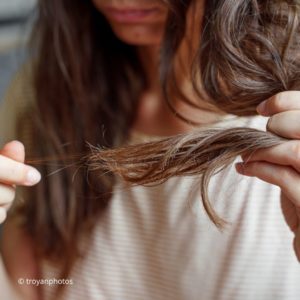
(17, 103)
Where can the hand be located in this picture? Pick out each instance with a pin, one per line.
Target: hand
(13, 172)
(280, 165)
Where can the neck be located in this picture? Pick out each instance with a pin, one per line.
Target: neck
(149, 57)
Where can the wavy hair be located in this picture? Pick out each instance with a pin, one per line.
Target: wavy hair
(248, 51)
(86, 87)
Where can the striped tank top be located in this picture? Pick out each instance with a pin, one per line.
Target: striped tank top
(158, 243)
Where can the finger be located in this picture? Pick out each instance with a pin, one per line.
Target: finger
(7, 206)
(7, 194)
(297, 243)
(3, 214)
(284, 177)
(285, 124)
(285, 101)
(289, 212)
(285, 154)
(13, 172)
(14, 150)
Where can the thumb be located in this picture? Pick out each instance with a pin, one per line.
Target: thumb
(14, 150)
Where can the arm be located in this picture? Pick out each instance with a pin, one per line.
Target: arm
(19, 260)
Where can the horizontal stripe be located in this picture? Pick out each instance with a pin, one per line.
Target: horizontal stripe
(158, 243)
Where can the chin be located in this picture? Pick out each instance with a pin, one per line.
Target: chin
(139, 35)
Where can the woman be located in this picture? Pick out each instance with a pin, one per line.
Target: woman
(95, 80)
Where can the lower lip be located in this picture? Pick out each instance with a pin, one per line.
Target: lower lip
(132, 15)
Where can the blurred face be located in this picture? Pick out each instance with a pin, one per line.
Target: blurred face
(135, 22)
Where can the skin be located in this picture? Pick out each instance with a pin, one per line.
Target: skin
(13, 172)
(148, 32)
(153, 115)
(146, 36)
(278, 165)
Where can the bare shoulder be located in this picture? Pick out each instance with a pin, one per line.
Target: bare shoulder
(19, 259)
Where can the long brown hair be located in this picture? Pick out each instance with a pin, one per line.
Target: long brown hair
(249, 52)
(87, 85)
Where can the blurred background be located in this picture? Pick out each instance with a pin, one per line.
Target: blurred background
(16, 17)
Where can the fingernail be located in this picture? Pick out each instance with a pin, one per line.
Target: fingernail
(33, 176)
(262, 108)
(240, 168)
